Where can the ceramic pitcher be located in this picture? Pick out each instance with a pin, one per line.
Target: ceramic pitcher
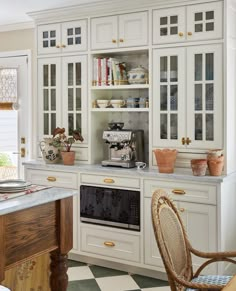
(50, 153)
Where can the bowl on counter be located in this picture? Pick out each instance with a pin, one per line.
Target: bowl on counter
(102, 103)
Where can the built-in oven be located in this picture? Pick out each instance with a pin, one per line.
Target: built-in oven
(110, 207)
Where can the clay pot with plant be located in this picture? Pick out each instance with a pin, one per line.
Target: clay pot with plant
(165, 160)
(62, 141)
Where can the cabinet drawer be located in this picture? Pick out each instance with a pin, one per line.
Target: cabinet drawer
(111, 244)
(52, 178)
(183, 191)
(110, 180)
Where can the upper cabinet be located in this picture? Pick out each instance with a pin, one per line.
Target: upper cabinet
(187, 104)
(120, 31)
(65, 37)
(188, 23)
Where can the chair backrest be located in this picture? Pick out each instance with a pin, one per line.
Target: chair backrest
(171, 239)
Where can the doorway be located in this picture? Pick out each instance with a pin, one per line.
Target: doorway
(15, 121)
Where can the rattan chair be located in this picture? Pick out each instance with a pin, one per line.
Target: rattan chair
(176, 250)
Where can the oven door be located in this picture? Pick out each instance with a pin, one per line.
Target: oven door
(112, 207)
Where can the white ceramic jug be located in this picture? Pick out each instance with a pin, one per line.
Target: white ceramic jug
(50, 153)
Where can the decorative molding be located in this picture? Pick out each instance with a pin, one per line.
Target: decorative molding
(17, 26)
(96, 9)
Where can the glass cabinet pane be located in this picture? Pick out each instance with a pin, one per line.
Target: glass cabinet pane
(209, 67)
(164, 125)
(70, 99)
(45, 75)
(70, 74)
(174, 126)
(198, 67)
(53, 75)
(163, 69)
(45, 100)
(209, 127)
(163, 98)
(204, 97)
(173, 97)
(53, 99)
(78, 99)
(46, 124)
(173, 69)
(78, 74)
(78, 121)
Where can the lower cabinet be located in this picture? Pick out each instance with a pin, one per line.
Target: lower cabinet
(199, 220)
(108, 243)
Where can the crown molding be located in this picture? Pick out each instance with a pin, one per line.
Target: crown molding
(17, 26)
(94, 9)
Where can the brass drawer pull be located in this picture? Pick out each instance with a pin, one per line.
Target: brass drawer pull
(121, 40)
(108, 181)
(109, 243)
(178, 192)
(63, 46)
(190, 33)
(113, 41)
(181, 34)
(51, 179)
(58, 46)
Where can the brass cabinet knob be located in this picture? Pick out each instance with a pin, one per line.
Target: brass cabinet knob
(63, 45)
(58, 46)
(190, 33)
(183, 141)
(121, 40)
(182, 209)
(188, 141)
(114, 40)
(109, 243)
(108, 181)
(51, 179)
(178, 191)
(181, 34)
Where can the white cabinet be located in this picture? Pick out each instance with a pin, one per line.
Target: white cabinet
(62, 98)
(199, 219)
(119, 31)
(187, 97)
(64, 37)
(188, 23)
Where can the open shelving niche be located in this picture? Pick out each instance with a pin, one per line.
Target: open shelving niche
(133, 118)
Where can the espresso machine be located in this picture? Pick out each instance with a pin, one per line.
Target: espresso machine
(125, 146)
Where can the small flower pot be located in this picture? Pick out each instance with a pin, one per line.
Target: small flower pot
(165, 160)
(215, 153)
(199, 167)
(68, 158)
(215, 165)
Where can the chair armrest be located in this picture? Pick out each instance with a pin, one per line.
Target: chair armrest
(216, 255)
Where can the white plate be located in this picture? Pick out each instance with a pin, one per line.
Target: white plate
(11, 185)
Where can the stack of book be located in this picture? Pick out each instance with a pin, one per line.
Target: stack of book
(109, 72)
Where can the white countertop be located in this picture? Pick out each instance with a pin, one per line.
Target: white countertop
(34, 199)
(179, 174)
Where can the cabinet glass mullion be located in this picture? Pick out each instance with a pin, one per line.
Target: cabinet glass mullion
(204, 97)
(169, 97)
(74, 96)
(49, 98)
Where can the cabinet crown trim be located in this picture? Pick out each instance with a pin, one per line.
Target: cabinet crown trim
(102, 8)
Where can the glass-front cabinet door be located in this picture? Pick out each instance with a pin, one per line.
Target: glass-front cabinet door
(74, 36)
(204, 96)
(49, 38)
(168, 97)
(169, 25)
(74, 101)
(49, 82)
(204, 21)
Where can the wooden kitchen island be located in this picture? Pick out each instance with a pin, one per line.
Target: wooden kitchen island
(36, 224)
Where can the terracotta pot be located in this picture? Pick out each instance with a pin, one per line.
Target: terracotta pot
(68, 158)
(165, 160)
(199, 167)
(214, 153)
(215, 165)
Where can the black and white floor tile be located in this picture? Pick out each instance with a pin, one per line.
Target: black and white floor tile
(83, 277)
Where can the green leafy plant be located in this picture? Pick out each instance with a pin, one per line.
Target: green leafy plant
(61, 140)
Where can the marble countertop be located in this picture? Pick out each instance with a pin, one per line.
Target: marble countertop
(34, 199)
(179, 174)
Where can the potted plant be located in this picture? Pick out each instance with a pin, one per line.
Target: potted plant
(62, 141)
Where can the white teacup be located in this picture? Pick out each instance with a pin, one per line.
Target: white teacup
(140, 165)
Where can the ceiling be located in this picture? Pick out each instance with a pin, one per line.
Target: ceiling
(15, 11)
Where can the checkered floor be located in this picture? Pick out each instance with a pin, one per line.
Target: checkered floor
(84, 277)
